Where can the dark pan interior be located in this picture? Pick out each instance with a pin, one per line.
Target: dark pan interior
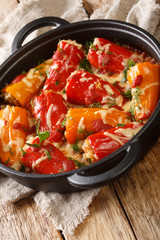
(43, 48)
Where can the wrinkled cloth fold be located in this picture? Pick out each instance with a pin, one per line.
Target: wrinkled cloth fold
(67, 211)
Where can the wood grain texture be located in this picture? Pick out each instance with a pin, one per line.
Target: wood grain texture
(106, 220)
(24, 221)
(139, 192)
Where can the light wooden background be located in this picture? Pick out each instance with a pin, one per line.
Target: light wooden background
(129, 209)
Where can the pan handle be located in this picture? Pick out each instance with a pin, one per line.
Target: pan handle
(134, 153)
(32, 26)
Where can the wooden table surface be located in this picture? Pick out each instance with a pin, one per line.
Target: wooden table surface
(127, 209)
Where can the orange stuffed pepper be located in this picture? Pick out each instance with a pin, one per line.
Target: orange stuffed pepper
(13, 128)
(85, 121)
(21, 92)
(144, 79)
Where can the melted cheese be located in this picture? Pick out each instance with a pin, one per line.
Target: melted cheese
(78, 45)
(38, 161)
(114, 137)
(101, 48)
(104, 113)
(81, 125)
(108, 89)
(119, 100)
(128, 132)
(48, 116)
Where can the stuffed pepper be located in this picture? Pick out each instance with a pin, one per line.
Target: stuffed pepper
(85, 88)
(66, 59)
(144, 79)
(102, 144)
(108, 57)
(45, 158)
(82, 122)
(25, 86)
(13, 128)
(49, 110)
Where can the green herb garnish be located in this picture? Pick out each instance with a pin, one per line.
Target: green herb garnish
(38, 68)
(75, 147)
(11, 152)
(43, 136)
(23, 152)
(127, 94)
(120, 125)
(130, 63)
(95, 105)
(57, 83)
(33, 145)
(77, 163)
(63, 123)
(48, 154)
(7, 161)
(85, 132)
(85, 64)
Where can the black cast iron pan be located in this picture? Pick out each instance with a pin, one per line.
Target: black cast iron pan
(27, 56)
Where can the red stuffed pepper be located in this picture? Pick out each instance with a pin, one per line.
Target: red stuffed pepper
(45, 158)
(65, 61)
(107, 56)
(49, 110)
(102, 144)
(85, 88)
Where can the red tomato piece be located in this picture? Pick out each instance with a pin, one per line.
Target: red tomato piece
(18, 78)
(49, 110)
(137, 81)
(104, 143)
(107, 56)
(85, 88)
(46, 159)
(99, 126)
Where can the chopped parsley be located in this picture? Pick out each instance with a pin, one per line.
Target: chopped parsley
(57, 83)
(48, 154)
(85, 132)
(85, 64)
(75, 147)
(93, 47)
(89, 160)
(111, 101)
(59, 49)
(87, 46)
(109, 52)
(38, 68)
(7, 161)
(11, 152)
(63, 123)
(77, 163)
(23, 152)
(127, 94)
(95, 105)
(24, 129)
(120, 125)
(43, 136)
(33, 145)
(130, 63)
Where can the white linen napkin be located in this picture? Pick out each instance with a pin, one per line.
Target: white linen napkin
(61, 208)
